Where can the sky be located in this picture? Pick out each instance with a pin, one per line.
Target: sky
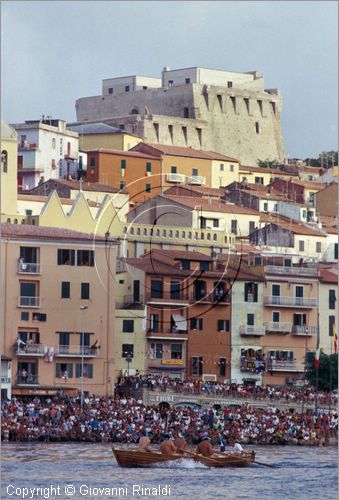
(54, 52)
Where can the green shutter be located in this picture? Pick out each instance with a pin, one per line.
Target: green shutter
(70, 370)
(123, 163)
(78, 370)
(148, 167)
(58, 370)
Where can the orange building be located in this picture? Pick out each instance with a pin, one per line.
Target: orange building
(136, 172)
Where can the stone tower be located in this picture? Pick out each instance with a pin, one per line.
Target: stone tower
(231, 113)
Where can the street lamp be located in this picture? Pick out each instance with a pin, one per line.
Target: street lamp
(82, 308)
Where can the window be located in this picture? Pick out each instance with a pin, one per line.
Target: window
(148, 167)
(39, 317)
(154, 322)
(173, 169)
(318, 246)
(301, 246)
(128, 325)
(257, 261)
(223, 325)
(197, 364)
(4, 161)
(231, 168)
(126, 88)
(258, 180)
(88, 370)
(331, 299)
(234, 227)
(92, 161)
(331, 322)
(257, 128)
(229, 85)
(186, 264)
(250, 319)
(127, 350)
(176, 351)
(156, 289)
(29, 294)
(170, 83)
(195, 172)
(251, 292)
(64, 342)
(222, 367)
(202, 222)
(251, 226)
(110, 90)
(123, 164)
(204, 266)
(122, 185)
(336, 250)
(215, 223)
(299, 291)
(187, 80)
(64, 370)
(66, 257)
(276, 317)
(222, 167)
(196, 323)
(25, 316)
(85, 291)
(175, 290)
(276, 290)
(85, 258)
(156, 351)
(148, 188)
(260, 106)
(299, 319)
(65, 289)
(53, 143)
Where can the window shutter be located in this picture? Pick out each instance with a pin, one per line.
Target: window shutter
(58, 370)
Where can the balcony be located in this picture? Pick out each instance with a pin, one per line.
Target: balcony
(291, 271)
(30, 350)
(129, 302)
(76, 351)
(301, 302)
(249, 330)
(28, 380)
(196, 179)
(168, 298)
(26, 146)
(281, 327)
(71, 155)
(29, 268)
(305, 330)
(175, 178)
(29, 302)
(284, 366)
(167, 334)
(252, 365)
(211, 298)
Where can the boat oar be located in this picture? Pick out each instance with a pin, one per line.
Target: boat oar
(266, 465)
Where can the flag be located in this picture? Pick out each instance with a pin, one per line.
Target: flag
(316, 359)
(335, 339)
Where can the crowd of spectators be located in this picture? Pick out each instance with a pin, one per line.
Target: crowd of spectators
(125, 419)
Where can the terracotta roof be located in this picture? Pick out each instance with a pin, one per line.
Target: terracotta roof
(309, 184)
(187, 152)
(41, 232)
(262, 192)
(329, 275)
(290, 225)
(272, 171)
(119, 152)
(180, 254)
(211, 205)
(189, 190)
(86, 186)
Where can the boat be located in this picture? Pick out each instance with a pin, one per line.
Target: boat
(137, 458)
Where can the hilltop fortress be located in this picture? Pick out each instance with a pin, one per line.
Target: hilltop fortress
(231, 113)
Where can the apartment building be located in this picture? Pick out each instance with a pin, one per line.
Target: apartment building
(328, 307)
(46, 150)
(58, 309)
(100, 135)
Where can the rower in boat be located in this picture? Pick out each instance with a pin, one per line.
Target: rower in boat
(205, 448)
(167, 447)
(180, 444)
(145, 441)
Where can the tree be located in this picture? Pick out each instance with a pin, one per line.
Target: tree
(327, 371)
(326, 159)
(268, 163)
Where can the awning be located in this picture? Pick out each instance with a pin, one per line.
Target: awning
(180, 322)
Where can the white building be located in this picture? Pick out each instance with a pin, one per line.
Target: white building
(5, 377)
(46, 150)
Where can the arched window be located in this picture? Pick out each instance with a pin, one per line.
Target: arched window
(164, 232)
(183, 234)
(138, 231)
(170, 235)
(4, 160)
(131, 231)
(135, 111)
(145, 232)
(215, 237)
(15, 221)
(8, 221)
(158, 232)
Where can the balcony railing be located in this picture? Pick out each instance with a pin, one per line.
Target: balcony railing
(30, 349)
(284, 366)
(76, 351)
(212, 297)
(252, 330)
(26, 146)
(29, 301)
(175, 178)
(290, 270)
(165, 331)
(29, 268)
(305, 330)
(27, 380)
(163, 297)
(129, 302)
(196, 179)
(277, 300)
(281, 327)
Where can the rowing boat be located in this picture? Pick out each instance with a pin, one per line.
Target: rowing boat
(137, 458)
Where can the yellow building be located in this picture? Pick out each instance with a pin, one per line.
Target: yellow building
(103, 136)
(9, 163)
(58, 307)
